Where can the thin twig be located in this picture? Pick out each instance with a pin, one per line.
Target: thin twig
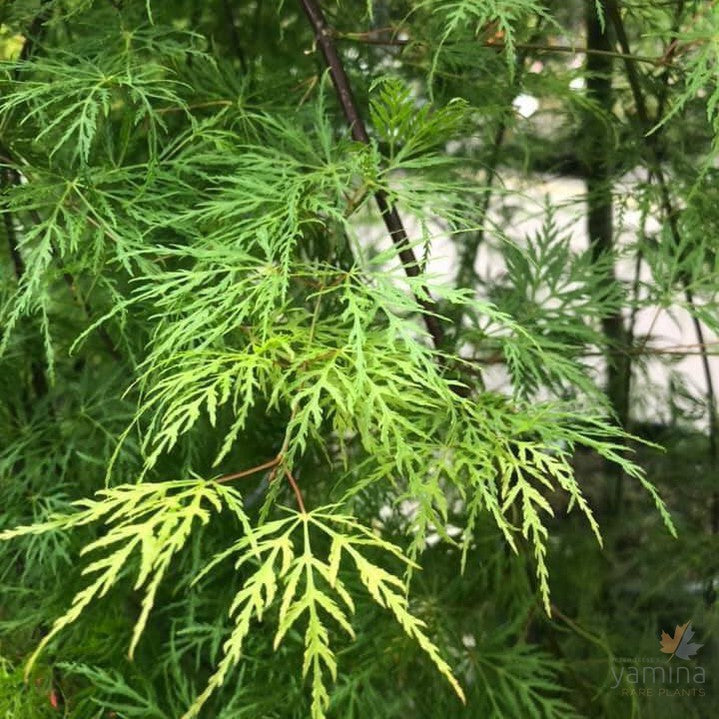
(669, 54)
(636, 285)
(573, 50)
(296, 489)
(195, 106)
(639, 351)
(373, 37)
(467, 273)
(252, 470)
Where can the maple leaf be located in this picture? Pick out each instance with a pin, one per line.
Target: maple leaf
(687, 648)
(680, 644)
(669, 644)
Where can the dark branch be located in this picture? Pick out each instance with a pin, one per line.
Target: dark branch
(10, 233)
(392, 220)
(34, 34)
(234, 35)
(599, 176)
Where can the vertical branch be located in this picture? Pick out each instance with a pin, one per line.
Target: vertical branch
(669, 54)
(636, 284)
(651, 139)
(600, 221)
(392, 220)
(663, 96)
(234, 35)
(10, 233)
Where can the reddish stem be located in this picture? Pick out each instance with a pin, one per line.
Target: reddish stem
(252, 470)
(296, 489)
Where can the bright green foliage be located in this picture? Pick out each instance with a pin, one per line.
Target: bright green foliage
(228, 441)
(305, 583)
(153, 518)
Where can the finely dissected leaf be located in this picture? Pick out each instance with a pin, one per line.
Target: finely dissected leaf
(93, 87)
(155, 519)
(313, 592)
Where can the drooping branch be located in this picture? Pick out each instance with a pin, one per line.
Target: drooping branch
(37, 374)
(390, 215)
(12, 176)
